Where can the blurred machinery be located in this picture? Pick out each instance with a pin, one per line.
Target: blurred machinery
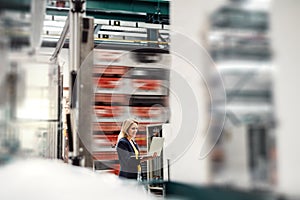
(112, 82)
(240, 45)
(129, 83)
(129, 78)
(10, 83)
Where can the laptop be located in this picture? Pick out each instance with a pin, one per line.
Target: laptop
(157, 144)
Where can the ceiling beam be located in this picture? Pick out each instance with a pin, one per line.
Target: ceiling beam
(135, 6)
(151, 11)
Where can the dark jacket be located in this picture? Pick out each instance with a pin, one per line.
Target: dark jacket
(128, 162)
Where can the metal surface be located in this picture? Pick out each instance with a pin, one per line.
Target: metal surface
(85, 89)
(75, 45)
(62, 39)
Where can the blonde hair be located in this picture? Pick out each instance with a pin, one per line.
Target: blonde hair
(125, 126)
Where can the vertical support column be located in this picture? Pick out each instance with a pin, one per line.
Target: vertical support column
(85, 89)
(71, 39)
(38, 9)
(285, 33)
(152, 35)
(76, 11)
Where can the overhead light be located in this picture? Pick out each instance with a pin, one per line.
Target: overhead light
(120, 28)
(239, 65)
(54, 23)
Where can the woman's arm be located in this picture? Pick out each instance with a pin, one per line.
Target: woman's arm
(125, 156)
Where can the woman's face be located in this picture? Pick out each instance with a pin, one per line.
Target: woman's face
(132, 130)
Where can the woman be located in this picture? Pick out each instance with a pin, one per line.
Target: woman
(128, 150)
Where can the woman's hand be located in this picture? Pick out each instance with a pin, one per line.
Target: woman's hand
(154, 155)
(145, 158)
